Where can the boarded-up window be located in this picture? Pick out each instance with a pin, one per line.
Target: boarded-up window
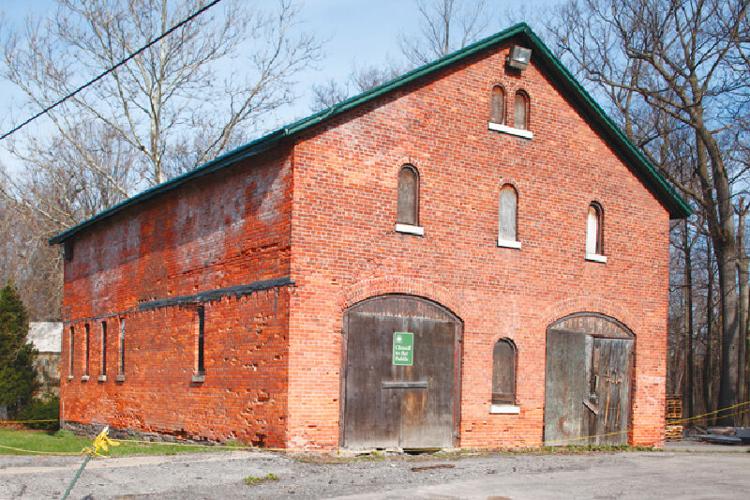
(408, 196)
(504, 372)
(104, 349)
(201, 365)
(68, 250)
(72, 351)
(497, 109)
(122, 347)
(595, 230)
(87, 344)
(521, 110)
(508, 213)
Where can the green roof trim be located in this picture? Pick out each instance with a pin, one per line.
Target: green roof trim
(676, 205)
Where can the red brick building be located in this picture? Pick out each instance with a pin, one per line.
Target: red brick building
(470, 255)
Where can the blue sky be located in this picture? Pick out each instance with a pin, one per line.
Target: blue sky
(358, 32)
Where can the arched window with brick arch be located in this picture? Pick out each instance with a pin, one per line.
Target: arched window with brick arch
(497, 105)
(408, 196)
(504, 358)
(508, 216)
(595, 230)
(521, 110)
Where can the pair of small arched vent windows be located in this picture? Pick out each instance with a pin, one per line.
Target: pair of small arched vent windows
(520, 108)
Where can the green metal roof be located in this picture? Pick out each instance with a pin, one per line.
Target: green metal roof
(542, 56)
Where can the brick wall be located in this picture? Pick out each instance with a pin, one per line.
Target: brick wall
(273, 357)
(225, 230)
(345, 248)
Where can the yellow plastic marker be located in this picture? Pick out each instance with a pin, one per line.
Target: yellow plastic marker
(101, 443)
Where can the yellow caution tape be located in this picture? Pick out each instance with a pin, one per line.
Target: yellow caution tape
(40, 452)
(582, 438)
(102, 442)
(696, 417)
(27, 421)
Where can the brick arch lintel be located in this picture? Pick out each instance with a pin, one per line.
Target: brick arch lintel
(385, 285)
(588, 304)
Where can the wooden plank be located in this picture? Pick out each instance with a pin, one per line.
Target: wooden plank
(371, 415)
(503, 373)
(399, 384)
(565, 387)
(427, 415)
(408, 196)
(610, 382)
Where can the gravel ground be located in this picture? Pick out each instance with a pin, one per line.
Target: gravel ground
(690, 473)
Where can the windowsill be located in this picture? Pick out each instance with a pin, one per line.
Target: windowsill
(102, 378)
(595, 257)
(505, 409)
(198, 378)
(84, 378)
(518, 132)
(120, 377)
(509, 244)
(409, 229)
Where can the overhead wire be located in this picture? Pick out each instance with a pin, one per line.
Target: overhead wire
(111, 69)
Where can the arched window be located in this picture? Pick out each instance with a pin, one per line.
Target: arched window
(508, 215)
(521, 110)
(497, 105)
(408, 196)
(595, 230)
(504, 372)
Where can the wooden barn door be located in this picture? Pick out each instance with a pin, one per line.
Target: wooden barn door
(609, 390)
(401, 374)
(587, 389)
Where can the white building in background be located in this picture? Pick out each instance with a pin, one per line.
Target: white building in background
(47, 339)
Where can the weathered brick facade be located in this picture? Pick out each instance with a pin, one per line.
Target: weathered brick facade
(320, 212)
(226, 230)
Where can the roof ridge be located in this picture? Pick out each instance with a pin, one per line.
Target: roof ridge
(677, 206)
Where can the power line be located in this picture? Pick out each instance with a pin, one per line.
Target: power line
(111, 69)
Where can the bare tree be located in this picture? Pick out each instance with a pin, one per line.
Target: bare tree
(28, 261)
(446, 25)
(671, 60)
(327, 94)
(186, 99)
(198, 92)
(57, 190)
(360, 80)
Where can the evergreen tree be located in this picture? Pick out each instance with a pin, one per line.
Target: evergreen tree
(17, 375)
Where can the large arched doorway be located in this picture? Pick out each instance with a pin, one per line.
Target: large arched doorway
(588, 381)
(401, 378)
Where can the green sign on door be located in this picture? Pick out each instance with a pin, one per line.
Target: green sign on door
(403, 348)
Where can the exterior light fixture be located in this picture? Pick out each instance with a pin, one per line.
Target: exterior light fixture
(519, 57)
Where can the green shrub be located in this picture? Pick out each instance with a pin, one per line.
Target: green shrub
(17, 376)
(46, 408)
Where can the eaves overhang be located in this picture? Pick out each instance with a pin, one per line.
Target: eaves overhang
(676, 205)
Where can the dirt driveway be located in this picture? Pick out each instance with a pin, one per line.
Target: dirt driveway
(677, 473)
